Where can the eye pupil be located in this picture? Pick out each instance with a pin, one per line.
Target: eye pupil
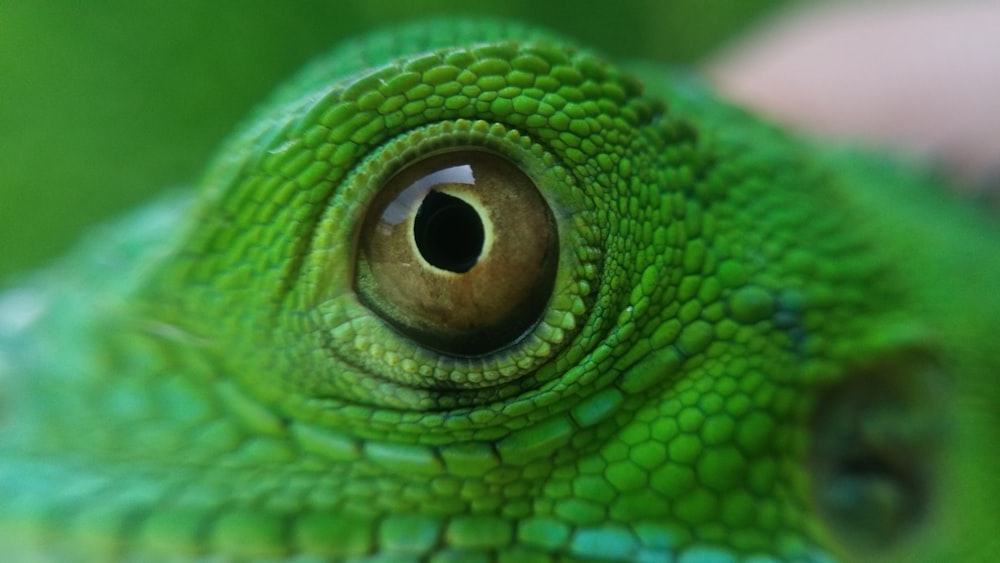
(448, 232)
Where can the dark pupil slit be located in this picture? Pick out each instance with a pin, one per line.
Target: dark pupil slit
(448, 232)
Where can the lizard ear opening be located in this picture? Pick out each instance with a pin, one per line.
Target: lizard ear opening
(876, 443)
(459, 252)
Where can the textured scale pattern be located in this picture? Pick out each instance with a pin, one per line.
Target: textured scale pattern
(199, 379)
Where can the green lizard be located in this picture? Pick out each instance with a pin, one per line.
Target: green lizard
(464, 291)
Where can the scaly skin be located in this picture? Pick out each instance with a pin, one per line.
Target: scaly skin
(753, 348)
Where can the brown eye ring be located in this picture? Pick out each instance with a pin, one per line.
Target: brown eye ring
(459, 251)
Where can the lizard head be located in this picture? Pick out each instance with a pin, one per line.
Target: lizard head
(466, 288)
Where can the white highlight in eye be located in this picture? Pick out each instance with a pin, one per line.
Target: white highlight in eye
(405, 203)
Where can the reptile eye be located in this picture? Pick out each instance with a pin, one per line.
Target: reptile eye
(459, 252)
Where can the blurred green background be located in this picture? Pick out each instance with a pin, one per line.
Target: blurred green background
(104, 103)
